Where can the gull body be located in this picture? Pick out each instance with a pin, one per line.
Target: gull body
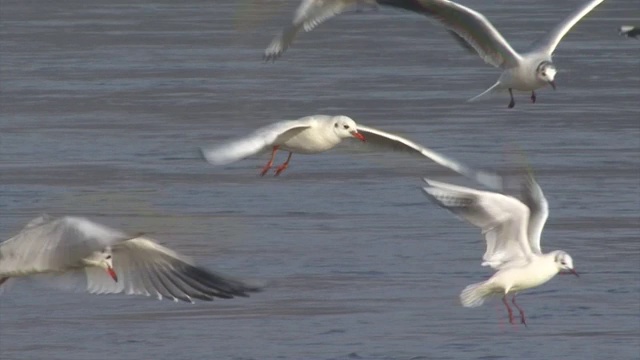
(527, 71)
(629, 31)
(74, 252)
(512, 229)
(318, 133)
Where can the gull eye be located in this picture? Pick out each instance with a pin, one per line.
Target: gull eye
(544, 73)
(108, 257)
(346, 126)
(335, 125)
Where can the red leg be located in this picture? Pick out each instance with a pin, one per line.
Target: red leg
(284, 165)
(512, 103)
(533, 97)
(270, 163)
(522, 319)
(504, 301)
(2, 280)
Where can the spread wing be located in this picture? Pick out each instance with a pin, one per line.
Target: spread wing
(309, 14)
(503, 219)
(252, 144)
(144, 267)
(383, 139)
(550, 41)
(49, 244)
(469, 24)
(534, 199)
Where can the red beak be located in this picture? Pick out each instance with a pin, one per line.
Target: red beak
(553, 84)
(574, 272)
(112, 274)
(359, 136)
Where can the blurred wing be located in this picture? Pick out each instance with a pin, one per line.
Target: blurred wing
(503, 219)
(309, 14)
(47, 244)
(550, 41)
(255, 143)
(470, 25)
(534, 199)
(144, 267)
(393, 142)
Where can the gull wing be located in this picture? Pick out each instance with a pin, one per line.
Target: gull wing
(550, 41)
(382, 139)
(534, 199)
(51, 245)
(144, 267)
(309, 14)
(503, 219)
(253, 144)
(469, 24)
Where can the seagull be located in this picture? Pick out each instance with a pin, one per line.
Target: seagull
(318, 133)
(75, 250)
(310, 13)
(527, 71)
(629, 31)
(512, 229)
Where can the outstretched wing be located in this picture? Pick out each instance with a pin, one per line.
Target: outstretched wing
(503, 219)
(49, 244)
(534, 199)
(144, 267)
(253, 144)
(309, 14)
(394, 142)
(550, 41)
(469, 24)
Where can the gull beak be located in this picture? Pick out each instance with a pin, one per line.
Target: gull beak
(574, 272)
(112, 274)
(553, 84)
(359, 136)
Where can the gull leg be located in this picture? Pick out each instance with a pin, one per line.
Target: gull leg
(270, 163)
(2, 280)
(512, 103)
(504, 301)
(284, 165)
(533, 97)
(522, 319)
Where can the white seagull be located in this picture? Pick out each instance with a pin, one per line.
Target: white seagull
(79, 252)
(512, 230)
(318, 133)
(528, 71)
(310, 13)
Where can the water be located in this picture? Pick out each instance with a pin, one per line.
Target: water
(104, 103)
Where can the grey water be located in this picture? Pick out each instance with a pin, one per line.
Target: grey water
(103, 105)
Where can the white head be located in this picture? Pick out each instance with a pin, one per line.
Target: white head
(546, 72)
(344, 127)
(102, 259)
(564, 262)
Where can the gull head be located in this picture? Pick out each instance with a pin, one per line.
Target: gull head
(546, 72)
(102, 259)
(344, 127)
(564, 262)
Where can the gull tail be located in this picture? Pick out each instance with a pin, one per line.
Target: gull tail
(474, 295)
(495, 87)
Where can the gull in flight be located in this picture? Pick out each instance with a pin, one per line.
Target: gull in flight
(75, 251)
(512, 229)
(310, 13)
(629, 31)
(318, 133)
(526, 71)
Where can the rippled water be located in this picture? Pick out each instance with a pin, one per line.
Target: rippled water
(103, 105)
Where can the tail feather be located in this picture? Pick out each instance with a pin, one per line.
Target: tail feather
(474, 295)
(495, 87)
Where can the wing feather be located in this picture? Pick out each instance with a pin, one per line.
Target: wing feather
(534, 199)
(252, 144)
(502, 219)
(394, 142)
(550, 41)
